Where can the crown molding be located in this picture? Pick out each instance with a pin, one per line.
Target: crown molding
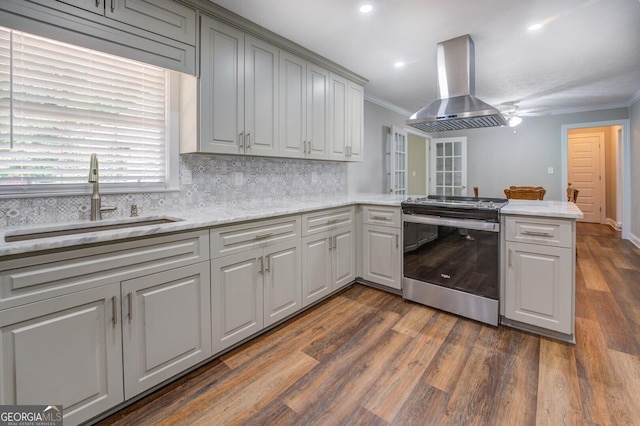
(387, 105)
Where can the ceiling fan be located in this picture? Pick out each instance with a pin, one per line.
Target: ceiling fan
(510, 111)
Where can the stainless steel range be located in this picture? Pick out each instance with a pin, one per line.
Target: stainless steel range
(452, 254)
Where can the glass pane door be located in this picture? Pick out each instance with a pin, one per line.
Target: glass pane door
(449, 166)
(397, 160)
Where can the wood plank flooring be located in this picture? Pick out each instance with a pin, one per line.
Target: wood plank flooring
(366, 357)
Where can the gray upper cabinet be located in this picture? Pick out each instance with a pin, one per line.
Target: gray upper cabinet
(237, 92)
(304, 108)
(164, 17)
(160, 32)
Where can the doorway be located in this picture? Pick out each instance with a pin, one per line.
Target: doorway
(611, 177)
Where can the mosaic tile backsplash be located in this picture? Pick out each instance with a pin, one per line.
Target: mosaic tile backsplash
(215, 180)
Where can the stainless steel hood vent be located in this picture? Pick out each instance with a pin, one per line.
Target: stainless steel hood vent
(456, 108)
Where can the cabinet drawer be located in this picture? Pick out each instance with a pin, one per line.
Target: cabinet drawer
(246, 236)
(313, 223)
(33, 278)
(381, 215)
(536, 230)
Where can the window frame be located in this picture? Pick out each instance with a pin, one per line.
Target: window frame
(171, 145)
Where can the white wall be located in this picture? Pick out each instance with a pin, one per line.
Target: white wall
(497, 157)
(369, 175)
(634, 116)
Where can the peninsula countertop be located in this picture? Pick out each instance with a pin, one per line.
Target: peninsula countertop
(184, 220)
(558, 209)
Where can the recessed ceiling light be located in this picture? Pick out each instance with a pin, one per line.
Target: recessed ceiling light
(366, 8)
(535, 27)
(399, 64)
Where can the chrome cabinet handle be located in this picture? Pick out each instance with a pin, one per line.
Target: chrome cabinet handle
(241, 140)
(114, 312)
(330, 221)
(330, 243)
(249, 140)
(113, 5)
(397, 241)
(263, 236)
(335, 242)
(509, 258)
(260, 265)
(98, 3)
(379, 217)
(130, 299)
(267, 262)
(540, 234)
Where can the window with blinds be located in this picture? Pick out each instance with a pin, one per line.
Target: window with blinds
(59, 103)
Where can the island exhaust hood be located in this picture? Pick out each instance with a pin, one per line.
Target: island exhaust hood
(457, 107)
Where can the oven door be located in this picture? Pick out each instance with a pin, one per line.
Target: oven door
(454, 253)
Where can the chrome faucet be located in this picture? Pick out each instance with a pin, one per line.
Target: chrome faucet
(96, 199)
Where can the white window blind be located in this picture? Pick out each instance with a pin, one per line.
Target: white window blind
(59, 103)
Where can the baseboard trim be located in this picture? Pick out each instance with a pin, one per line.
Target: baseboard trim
(612, 223)
(634, 239)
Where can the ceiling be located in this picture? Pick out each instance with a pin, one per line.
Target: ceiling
(586, 56)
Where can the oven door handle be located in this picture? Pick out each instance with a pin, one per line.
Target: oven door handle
(454, 223)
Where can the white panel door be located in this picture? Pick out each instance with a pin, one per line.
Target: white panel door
(449, 166)
(586, 174)
(236, 298)
(293, 106)
(261, 97)
(343, 257)
(65, 350)
(168, 328)
(316, 267)
(221, 92)
(282, 281)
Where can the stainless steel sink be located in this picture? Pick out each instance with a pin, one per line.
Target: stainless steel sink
(61, 230)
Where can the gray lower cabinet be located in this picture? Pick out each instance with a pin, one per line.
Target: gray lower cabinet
(90, 327)
(166, 325)
(328, 262)
(540, 274)
(65, 350)
(382, 245)
(253, 289)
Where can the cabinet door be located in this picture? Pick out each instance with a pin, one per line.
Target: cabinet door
(236, 298)
(95, 6)
(282, 281)
(338, 117)
(317, 111)
(293, 106)
(539, 286)
(65, 350)
(382, 261)
(165, 17)
(316, 267)
(221, 91)
(261, 97)
(355, 122)
(343, 257)
(167, 327)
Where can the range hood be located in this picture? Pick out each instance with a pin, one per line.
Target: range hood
(456, 108)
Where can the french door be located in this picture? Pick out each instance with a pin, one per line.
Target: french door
(396, 159)
(448, 166)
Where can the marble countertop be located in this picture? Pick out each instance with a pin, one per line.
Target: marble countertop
(184, 220)
(559, 209)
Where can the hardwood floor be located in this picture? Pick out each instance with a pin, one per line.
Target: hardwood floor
(368, 357)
